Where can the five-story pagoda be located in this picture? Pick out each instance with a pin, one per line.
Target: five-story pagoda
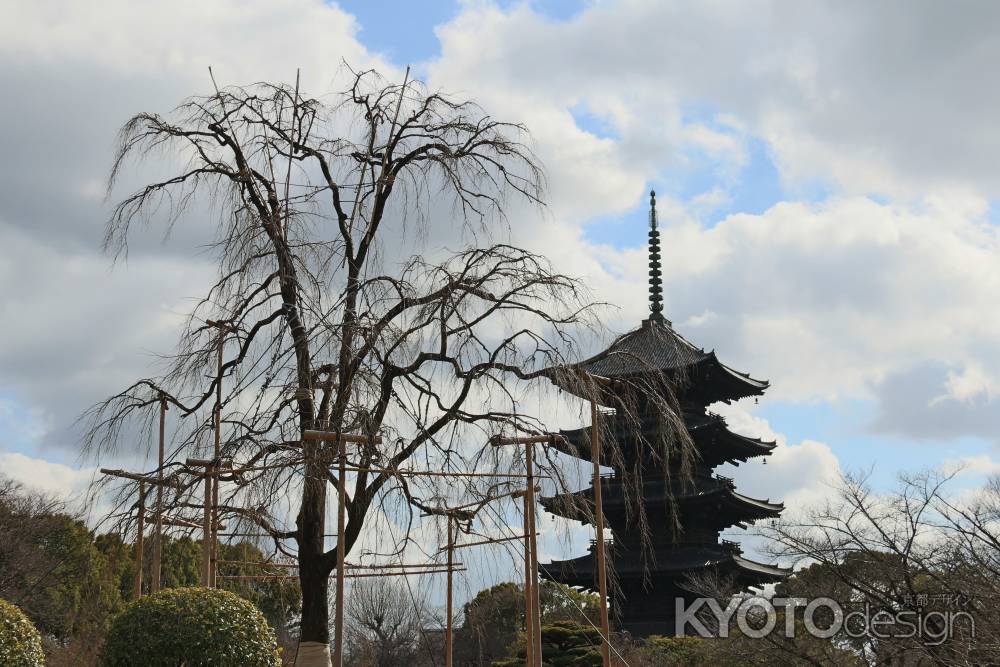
(665, 512)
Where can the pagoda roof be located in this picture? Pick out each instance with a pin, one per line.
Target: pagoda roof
(653, 346)
(676, 562)
(712, 422)
(657, 347)
(762, 568)
(732, 446)
(569, 504)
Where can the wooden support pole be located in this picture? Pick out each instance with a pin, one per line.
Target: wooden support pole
(602, 582)
(529, 458)
(216, 455)
(154, 574)
(532, 608)
(529, 623)
(338, 640)
(451, 565)
(206, 533)
(140, 531)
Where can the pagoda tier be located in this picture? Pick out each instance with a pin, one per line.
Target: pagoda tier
(715, 443)
(646, 597)
(704, 506)
(678, 537)
(656, 349)
(681, 559)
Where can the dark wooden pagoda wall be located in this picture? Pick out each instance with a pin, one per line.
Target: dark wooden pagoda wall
(646, 605)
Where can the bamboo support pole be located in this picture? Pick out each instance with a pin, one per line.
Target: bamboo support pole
(547, 438)
(206, 532)
(146, 479)
(216, 454)
(348, 438)
(602, 582)
(347, 566)
(267, 535)
(437, 473)
(184, 523)
(489, 499)
(494, 540)
(390, 471)
(529, 625)
(536, 607)
(532, 608)
(223, 464)
(256, 563)
(395, 566)
(358, 575)
(139, 535)
(451, 573)
(154, 584)
(338, 641)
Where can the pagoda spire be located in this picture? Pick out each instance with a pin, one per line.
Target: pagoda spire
(655, 289)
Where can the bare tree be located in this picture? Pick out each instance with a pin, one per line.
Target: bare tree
(384, 623)
(917, 555)
(433, 352)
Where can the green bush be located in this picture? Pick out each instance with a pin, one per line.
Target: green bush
(20, 643)
(564, 644)
(687, 651)
(190, 627)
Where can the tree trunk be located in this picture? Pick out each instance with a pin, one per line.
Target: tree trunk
(314, 641)
(314, 572)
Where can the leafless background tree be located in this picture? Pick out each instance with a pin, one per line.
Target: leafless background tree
(923, 549)
(385, 623)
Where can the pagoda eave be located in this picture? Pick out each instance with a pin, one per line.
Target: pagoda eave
(725, 558)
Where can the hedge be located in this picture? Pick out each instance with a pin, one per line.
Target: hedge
(190, 627)
(20, 643)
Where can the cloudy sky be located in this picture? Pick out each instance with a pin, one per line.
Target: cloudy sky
(826, 174)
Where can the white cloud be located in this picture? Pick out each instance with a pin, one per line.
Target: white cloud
(894, 99)
(982, 465)
(800, 474)
(826, 300)
(56, 479)
(834, 300)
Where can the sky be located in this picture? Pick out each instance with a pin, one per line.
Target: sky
(825, 175)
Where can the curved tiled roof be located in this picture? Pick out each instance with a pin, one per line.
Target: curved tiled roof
(682, 559)
(653, 346)
(656, 347)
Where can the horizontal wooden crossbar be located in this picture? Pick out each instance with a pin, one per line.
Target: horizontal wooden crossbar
(439, 473)
(355, 575)
(141, 478)
(348, 566)
(495, 540)
(526, 440)
(333, 436)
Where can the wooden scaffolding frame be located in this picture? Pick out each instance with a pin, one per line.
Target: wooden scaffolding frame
(212, 469)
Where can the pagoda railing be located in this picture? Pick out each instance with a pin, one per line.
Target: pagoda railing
(728, 481)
